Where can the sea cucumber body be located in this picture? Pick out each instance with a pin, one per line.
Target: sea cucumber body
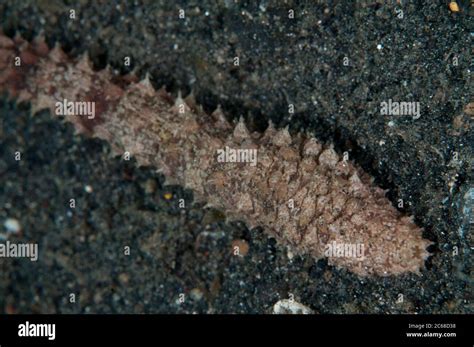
(299, 191)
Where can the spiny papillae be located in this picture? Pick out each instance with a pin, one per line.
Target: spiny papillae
(299, 191)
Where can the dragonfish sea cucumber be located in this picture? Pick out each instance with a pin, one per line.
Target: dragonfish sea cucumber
(299, 191)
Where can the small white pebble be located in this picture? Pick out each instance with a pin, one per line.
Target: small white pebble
(379, 46)
(12, 225)
(88, 189)
(196, 294)
(391, 123)
(290, 307)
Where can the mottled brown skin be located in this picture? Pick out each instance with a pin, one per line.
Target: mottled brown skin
(334, 201)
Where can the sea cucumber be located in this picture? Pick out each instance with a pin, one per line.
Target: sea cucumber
(299, 191)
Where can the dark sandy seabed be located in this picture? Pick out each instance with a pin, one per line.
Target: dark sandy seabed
(282, 61)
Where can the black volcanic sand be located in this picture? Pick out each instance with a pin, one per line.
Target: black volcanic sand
(282, 61)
